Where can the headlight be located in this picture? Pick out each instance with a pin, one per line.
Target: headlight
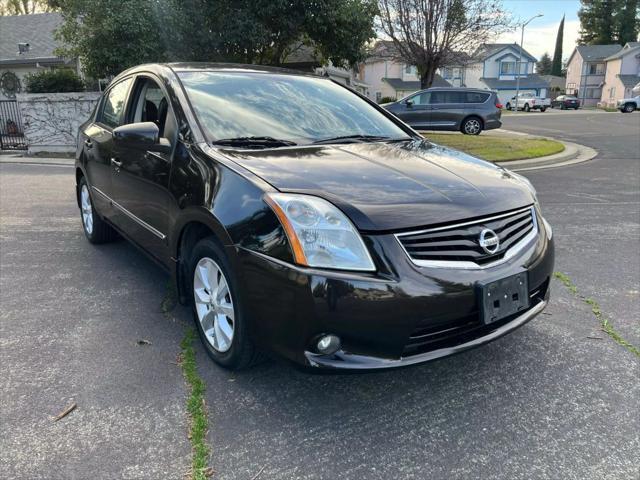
(320, 235)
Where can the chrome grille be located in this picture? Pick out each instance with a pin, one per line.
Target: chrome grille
(458, 245)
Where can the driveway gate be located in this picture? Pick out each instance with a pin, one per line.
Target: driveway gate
(11, 131)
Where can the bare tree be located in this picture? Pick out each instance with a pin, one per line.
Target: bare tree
(430, 33)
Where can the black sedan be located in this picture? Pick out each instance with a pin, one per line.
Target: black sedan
(565, 102)
(297, 217)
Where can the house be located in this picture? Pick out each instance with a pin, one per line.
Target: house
(556, 85)
(622, 74)
(27, 45)
(389, 77)
(494, 66)
(586, 71)
(304, 57)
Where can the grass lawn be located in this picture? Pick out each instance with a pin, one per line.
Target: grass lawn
(497, 149)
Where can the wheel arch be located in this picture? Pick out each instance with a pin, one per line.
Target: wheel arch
(193, 227)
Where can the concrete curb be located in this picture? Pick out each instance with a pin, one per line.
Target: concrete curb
(572, 154)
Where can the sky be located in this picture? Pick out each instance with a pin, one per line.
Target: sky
(540, 34)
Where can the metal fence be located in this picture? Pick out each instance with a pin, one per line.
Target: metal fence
(11, 131)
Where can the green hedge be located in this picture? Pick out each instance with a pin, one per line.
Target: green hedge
(387, 100)
(53, 81)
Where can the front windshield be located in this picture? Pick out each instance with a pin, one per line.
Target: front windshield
(288, 107)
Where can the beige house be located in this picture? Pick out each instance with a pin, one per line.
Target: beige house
(622, 73)
(389, 77)
(586, 70)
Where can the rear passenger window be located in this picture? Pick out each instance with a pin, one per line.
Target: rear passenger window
(447, 97)
(476, 97)
(114, 103)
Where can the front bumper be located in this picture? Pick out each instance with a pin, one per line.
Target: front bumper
(384, 318)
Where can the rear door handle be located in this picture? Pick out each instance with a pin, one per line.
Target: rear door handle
(116, 164)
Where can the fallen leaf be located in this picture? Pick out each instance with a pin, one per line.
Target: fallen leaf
(209, 472)
(142, 341)
(65, 412)
(593, 337)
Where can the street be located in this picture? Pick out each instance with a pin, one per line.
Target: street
(557, 399)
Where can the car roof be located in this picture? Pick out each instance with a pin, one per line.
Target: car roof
(166, 68)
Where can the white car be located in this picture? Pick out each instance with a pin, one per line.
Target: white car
(528, 102)
(628, 105)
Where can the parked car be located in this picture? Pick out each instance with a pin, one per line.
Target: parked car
(628, 105)
(528, 102)
(456, 109)
(297, 217)
(563, 102)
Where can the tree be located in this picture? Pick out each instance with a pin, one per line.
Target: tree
(556, 67)
(544, 65)
(596, 22)
(429, 34)
(267, 31)
(609, 21)
(23, 7)
(628, 21)
(111, 36)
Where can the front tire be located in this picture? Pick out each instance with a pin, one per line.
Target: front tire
(95, 229)
(508, 106)
(527, 108)
(217, 307)
(629, 107)
(543, 109)
(471, 126)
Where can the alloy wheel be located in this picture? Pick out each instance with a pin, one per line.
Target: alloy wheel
(214, 304)
(87, 211)
(472, 126)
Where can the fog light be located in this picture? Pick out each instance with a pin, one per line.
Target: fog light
(328, 344)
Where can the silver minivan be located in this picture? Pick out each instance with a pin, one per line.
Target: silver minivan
(467, 110)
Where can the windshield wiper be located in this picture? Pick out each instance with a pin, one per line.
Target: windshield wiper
(359, 138)
(254, 142)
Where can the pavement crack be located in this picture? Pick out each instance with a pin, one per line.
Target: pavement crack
(605, 323)
(195, 405)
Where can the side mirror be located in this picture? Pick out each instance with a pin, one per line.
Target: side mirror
(142, 136)
(408, 103)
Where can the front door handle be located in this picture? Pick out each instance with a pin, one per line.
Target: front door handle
(116, 164)
(88, 143)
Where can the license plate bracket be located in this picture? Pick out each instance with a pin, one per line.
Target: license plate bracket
(504, 297)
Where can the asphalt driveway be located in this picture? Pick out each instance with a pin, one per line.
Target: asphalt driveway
(556, 399)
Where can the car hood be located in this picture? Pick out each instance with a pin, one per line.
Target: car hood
(390, 186)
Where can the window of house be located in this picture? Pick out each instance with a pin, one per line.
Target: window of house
(595, 69)
(612, 92)
(509, 68)
(114, 103)
(593, 93)
(410, 69)
(378, 96)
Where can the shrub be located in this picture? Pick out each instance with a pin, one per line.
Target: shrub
(386, 100)
(53, 81)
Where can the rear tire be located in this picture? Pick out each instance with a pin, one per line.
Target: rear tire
(95, 229)
(527, 108)
(217, 307)
(543, 109)
(629, 107)
(471, 126)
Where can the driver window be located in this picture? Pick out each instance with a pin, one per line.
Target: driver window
(151, 105)
(421, 98)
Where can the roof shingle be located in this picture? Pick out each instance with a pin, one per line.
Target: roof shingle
(36, 29)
